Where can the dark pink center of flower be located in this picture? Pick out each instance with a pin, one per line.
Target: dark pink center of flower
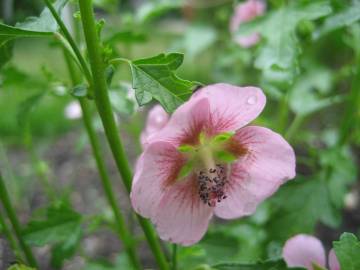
(211, 185)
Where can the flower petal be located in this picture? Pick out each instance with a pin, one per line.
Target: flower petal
(231, 107)
(185, 124)
(156, 169)
(333, 261)
(303, 251)
(181, 217)
(268, 162)
(156, 120)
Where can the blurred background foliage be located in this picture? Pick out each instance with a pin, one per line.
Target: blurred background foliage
(307, 62)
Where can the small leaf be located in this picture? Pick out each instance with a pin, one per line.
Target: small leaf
(347, 251)
(59, 225)
(79, 90)
(20, 267)
(154, 78)
(65, 250)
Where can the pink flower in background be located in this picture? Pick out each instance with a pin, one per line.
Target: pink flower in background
(73, 110)
(245, 12)
(156, 120)
(206, 161)
(306, 251)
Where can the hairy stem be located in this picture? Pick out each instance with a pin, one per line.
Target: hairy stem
(103, 105)
(9, 209)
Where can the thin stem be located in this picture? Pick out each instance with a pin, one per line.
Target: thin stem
(121, 228)
(5, 200)
(294, 126)
(6, 231)
(174, 257)
(39, 165)
(104, 107)
(283, 114)
(352, 109)
(71, 41)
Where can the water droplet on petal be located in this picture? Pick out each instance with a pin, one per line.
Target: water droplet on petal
(252, 100)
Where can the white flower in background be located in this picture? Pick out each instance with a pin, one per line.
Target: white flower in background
(73, 110)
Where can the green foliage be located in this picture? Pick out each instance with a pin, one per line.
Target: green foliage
(59, 225)
(281, 50)
(153, 9)
(267, 265)
(308, 198)
(345, 17)
(347, 251)
(154, 78)
(20, 267)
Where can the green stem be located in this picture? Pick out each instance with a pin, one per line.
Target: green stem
(104, 107)
(294, 126)
(5, 200)
(174, 257)
(352, 109)
(41, 168)
(71, 41)
(121, 228)
(6, 231)
(283, 114)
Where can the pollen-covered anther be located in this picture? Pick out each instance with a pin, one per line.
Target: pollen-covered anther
(211, 183)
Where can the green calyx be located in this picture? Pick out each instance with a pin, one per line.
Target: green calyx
(209, 152)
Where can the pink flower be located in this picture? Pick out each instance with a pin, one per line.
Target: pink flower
(205, 162)
(156, 120)
(306, 251)
(243, 13)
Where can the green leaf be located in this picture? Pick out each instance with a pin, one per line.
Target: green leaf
(299, 206)
(127, 36)
(310, 92)
(59, 226)
(198, 38)
(346, 17)
(267, 265)
(44, 25)
(153, 9)
(20, 267)
(278, 29)
(343, 172)
(220, 246)
(347, 251)
(66, 250)
(154, 77)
